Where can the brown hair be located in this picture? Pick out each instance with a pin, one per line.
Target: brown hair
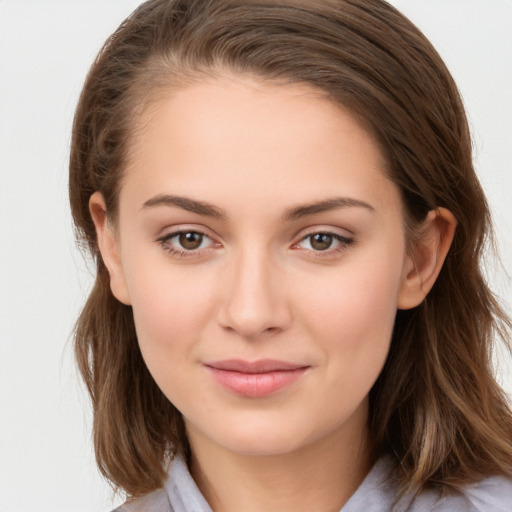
(436, 406)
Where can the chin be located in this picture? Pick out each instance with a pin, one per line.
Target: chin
(261, 438)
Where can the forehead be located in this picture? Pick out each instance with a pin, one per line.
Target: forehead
(254, 141)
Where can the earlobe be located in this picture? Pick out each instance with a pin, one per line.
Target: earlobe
(424, 264)
(109, 247)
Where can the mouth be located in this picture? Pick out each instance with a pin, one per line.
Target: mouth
(255, 379)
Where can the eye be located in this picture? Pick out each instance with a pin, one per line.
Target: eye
(186, 243)
(323, 241)
(190, 240)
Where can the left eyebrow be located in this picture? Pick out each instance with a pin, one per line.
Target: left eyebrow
(326, 205)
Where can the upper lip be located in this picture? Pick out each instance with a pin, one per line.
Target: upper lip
(260, 366)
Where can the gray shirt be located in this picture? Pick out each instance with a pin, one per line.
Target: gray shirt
(377, 493)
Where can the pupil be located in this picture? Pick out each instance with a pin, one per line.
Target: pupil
(191, 240)
(321, 241)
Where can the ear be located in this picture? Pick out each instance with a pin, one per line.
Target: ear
(108, 245)
(427, 256)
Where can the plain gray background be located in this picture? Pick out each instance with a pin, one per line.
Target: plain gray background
(46, 47)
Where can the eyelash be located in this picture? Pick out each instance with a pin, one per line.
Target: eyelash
(343, 243)
(165, 242)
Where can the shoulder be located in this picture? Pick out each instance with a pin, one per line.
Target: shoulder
(179, 494)
(493, 494)
(157, 501)
(380, 490)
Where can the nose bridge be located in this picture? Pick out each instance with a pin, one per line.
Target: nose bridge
(255, 301)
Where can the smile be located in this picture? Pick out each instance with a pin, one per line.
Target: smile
(255, 379)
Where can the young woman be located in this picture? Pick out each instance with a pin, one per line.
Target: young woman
(289, 312)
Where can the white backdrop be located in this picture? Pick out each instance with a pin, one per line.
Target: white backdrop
(46, 46)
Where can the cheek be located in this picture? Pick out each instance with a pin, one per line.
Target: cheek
(352, 317)
(171, 307)
(170, 316)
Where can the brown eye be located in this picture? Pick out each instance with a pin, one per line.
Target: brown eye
(190, 240)
(188, 244)
(321, 241)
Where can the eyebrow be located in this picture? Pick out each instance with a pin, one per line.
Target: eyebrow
(326, 205)
(295, 213)
(185, 203)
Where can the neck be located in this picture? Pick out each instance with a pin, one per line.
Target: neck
(320, 476)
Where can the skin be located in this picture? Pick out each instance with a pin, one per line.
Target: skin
(260, 287)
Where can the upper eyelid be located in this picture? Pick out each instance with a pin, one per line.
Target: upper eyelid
(173, 234)
(169, 232)
(340, 238)
(342, 232)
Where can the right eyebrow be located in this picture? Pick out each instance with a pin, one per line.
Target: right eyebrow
(185, 203)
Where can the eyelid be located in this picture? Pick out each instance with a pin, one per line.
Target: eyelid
(328, 230)
(343, 240)
(169, 233)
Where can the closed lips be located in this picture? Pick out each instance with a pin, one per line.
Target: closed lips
(256, 379)
(261, 366)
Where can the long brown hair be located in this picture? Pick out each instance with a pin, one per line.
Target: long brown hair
(436, 407)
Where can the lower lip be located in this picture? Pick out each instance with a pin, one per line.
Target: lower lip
(256, 385)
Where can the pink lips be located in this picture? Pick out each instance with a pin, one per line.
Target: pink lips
(255, 379)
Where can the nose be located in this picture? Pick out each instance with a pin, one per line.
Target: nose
(255, 300)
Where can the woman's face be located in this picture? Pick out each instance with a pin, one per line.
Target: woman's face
(262, 249)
